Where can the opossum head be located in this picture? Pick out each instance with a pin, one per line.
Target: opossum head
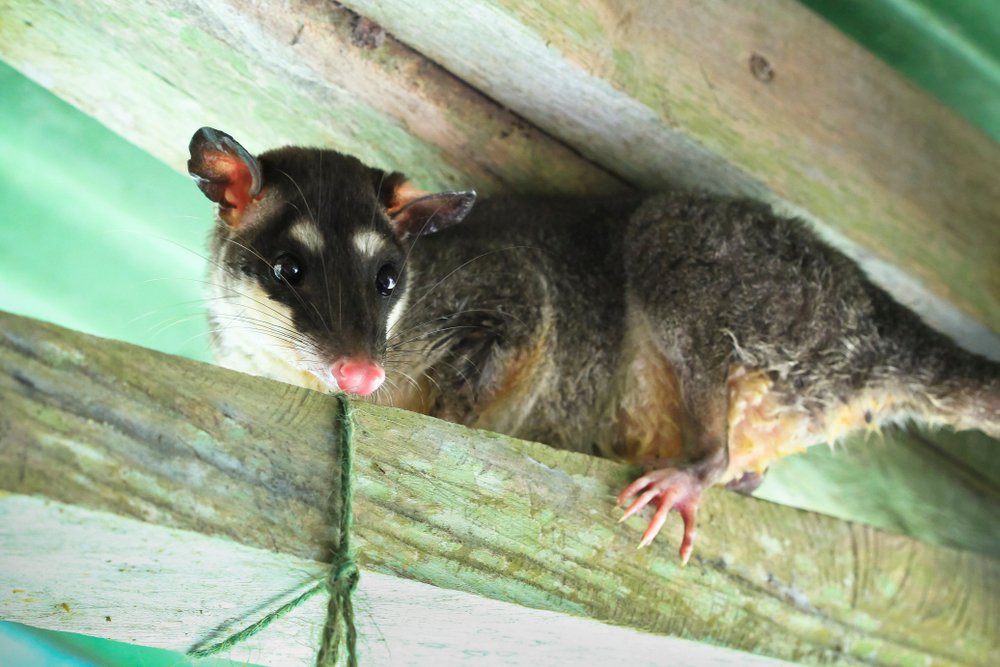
(309, 258)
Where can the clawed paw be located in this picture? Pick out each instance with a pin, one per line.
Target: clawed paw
(668, 489)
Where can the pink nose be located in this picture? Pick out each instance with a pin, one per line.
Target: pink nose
(357, 376)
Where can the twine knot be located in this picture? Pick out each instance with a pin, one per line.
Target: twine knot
(346, 572)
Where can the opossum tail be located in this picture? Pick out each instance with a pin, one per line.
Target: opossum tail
(968, 397)
(947, 385)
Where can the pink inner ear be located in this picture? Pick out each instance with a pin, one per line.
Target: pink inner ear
(236, 177)
(404, 195)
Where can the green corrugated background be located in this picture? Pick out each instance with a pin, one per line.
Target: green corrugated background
(93, 230)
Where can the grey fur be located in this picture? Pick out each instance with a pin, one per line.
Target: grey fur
(531, 316)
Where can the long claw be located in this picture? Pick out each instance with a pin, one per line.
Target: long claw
(688, 512)
(666, 503)
(639, 503)
(633, 489)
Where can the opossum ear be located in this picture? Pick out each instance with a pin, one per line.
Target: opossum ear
(417, 212)
(224, 171)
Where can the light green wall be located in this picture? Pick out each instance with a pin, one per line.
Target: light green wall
(95, 234)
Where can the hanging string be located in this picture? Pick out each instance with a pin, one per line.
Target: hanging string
(343, 576)
(341, 581)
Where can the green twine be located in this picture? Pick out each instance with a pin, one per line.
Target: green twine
(340, 581)
(254, 628)
(343, 576)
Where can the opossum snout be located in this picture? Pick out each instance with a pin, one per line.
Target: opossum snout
(357, 376)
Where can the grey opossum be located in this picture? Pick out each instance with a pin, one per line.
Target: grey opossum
(702, 337)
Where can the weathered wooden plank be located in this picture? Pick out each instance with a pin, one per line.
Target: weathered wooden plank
(73, 569)
(110, 427)
(761, 98)
(295, 72)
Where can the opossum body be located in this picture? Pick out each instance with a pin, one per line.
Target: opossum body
(701, 337)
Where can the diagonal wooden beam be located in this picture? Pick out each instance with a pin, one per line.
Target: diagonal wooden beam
(300, 73)
(95, 573)
(109, 427)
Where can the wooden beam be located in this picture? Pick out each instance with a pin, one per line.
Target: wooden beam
(109, 427)
(99, 574)
(761, 98)
(302, 73)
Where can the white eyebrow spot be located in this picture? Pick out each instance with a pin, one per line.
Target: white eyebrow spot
(307, 233)
(368, 242)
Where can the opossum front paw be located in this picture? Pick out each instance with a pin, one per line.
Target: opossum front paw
(668, 488)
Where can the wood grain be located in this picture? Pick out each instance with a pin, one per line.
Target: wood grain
(78, 570)
(109, 427)
(271, 74)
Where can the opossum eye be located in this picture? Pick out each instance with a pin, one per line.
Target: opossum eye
(385, 281)
(288, 270)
